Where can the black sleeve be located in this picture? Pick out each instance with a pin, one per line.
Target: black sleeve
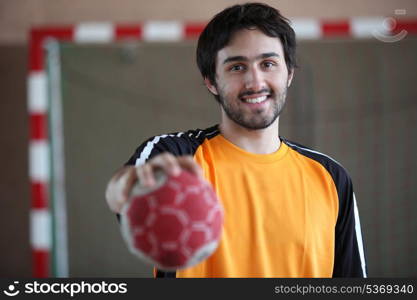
(160, 144)
(179, 143)
(349, 249)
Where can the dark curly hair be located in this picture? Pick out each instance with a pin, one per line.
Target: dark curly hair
(219, 31)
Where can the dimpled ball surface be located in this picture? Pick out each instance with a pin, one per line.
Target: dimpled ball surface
(174, 225)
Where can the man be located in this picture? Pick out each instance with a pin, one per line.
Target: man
(289, 211)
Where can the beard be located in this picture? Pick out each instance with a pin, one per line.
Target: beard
(256, 119)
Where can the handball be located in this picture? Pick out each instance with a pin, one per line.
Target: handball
(175, 224)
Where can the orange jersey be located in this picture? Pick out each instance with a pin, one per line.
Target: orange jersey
(291, 213)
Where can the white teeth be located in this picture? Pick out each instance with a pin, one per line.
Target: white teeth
(255, 100)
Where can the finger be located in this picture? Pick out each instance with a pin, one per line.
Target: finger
(146, 175)
(167, 162)
(189, 164)
(129, 180)
(118, 187)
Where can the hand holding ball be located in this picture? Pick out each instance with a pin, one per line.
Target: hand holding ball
(175, 224)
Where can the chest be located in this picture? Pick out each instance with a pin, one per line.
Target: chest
(284, 203)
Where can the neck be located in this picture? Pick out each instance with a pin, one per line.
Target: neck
(261, 141)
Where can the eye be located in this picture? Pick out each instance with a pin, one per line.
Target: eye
(237, 68)
(268, 64)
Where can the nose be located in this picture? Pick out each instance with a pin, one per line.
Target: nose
(254, 80)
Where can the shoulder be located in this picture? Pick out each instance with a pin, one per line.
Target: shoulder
(334, 168)
(339, 175)
(176, 143)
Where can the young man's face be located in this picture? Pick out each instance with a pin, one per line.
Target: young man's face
(251, 79)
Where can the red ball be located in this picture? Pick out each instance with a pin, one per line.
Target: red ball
(175, 224)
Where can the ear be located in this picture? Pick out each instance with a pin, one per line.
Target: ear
(212, 88)
(290, 76)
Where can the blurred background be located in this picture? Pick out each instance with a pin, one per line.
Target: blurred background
(352, 98)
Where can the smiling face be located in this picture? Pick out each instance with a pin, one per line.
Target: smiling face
(251, 79)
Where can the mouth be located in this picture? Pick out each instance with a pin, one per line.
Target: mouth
(255, 99)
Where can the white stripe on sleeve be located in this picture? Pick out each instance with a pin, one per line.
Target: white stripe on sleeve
(359, 237)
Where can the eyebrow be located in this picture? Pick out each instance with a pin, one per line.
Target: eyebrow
(244, 58)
